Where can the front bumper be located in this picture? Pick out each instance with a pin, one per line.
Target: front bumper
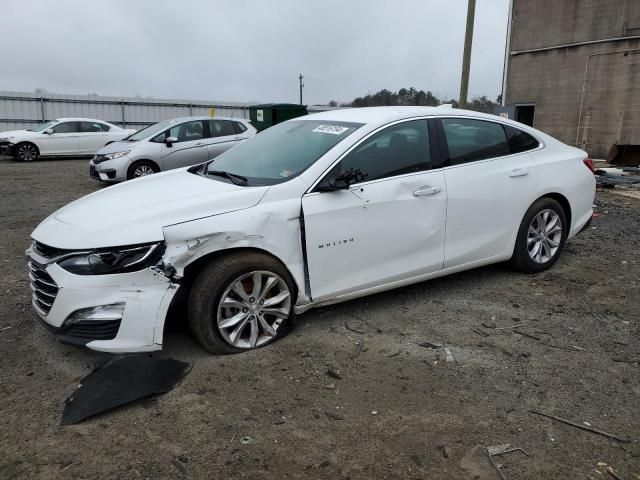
(108, 171)
(6, 148)
(58, 294)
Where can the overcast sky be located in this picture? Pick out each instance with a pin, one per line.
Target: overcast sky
(249, 50)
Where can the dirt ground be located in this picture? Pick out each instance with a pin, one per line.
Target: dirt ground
(398, 410)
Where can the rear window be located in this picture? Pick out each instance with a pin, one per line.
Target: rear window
(240, 128)
(519, 141)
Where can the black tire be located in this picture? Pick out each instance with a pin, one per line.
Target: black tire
(210, 285)
(26, 152)
(522, 259)
(140, 164)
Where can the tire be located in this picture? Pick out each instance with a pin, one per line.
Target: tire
(137, 169)
(26, 152)
(250, 324)
(541, 236)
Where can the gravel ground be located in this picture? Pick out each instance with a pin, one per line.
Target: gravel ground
(397, 410)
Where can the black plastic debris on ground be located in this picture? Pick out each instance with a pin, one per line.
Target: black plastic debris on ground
(122, 381)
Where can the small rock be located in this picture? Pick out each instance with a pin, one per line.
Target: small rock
(446, 451)
(429, 344)
(183, 458)
(331, 386)
(334, 415)
(374, 412)
(246, 440)
(333, 373)
(489, 324)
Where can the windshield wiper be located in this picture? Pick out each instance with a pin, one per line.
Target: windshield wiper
(237, 179)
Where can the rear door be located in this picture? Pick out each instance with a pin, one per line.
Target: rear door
(190, 148)
(489, 186)
(63, 140)
(389, 226)
(92, 137)
(224, 135)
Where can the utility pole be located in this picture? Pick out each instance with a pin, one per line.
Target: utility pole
(301, 87)
(466, 58)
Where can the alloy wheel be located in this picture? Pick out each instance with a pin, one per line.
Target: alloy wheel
(27, 152)
(143, 171)
(252, 309)
(544, 236)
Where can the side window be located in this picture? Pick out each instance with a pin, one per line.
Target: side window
(67, 127)
(396, 150)
(240, 127)
(185, 132)
(470, 140)
(90, 127)
(221, 128)
(519, 141)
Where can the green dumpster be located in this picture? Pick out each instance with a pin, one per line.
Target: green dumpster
(269, 114)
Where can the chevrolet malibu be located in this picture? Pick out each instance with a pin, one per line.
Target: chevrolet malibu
(313, 211)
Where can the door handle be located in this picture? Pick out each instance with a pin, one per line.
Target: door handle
(426, 190)
(518, 172)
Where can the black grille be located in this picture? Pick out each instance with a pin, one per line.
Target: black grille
(49, 252)
(93, 329)
(44, 288)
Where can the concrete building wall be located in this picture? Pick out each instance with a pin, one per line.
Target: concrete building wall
(593, 107)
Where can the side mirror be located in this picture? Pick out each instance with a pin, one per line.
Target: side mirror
(49, 131)
(341, 182)
(170, 141)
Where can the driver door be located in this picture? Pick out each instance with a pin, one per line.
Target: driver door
(63, 140)
(387, 227)
(191, 147)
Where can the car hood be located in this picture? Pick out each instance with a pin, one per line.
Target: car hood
(136, 211)
(15, 133)
(117, 147)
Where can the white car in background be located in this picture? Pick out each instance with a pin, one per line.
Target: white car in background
(63, 137)
(313, 211)
(175, 143)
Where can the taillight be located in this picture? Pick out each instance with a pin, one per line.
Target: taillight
(589, 163)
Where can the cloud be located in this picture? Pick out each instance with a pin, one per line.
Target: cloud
(242, 50)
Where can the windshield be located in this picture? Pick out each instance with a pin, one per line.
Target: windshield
(44, 126)
(282, 151)
(149, 131)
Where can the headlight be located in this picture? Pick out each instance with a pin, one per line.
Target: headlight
(114, 155)
(116, 260)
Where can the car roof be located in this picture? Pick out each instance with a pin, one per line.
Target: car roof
(383, 115)
(74, 119)
(204, 117)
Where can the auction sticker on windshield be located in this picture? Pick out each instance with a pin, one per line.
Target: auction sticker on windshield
(332, 129)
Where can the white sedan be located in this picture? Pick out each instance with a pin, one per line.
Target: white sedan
(310, 212)
(63, 137)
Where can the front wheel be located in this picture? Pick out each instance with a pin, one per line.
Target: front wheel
(26, 152)
(141, 168)
(541, 237)
(241, 302)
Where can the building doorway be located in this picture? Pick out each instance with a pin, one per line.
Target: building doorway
(525, 113)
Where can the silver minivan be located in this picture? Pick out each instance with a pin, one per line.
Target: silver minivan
(180, 142)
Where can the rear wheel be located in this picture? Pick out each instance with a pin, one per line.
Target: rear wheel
(26, 152)
(541, 236)
(241, 302)
(142, 168)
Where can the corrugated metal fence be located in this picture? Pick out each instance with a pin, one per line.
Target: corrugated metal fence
(22, 110)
